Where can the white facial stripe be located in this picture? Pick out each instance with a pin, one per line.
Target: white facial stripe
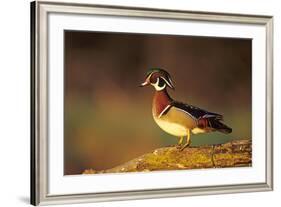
(171, 81)
(148, 78)
(157, 87)
(167, 82)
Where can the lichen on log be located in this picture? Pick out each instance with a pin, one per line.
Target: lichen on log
(236, 153)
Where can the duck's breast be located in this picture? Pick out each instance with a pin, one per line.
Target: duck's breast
(175, 122)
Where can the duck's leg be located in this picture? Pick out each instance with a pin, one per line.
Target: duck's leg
(180, 142)
(187, 141)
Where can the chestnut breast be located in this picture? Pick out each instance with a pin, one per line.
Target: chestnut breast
(160, 101)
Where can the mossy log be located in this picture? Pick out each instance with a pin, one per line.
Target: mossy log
(237, 153)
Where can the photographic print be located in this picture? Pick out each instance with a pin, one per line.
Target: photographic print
(151, 102)
(138, 103)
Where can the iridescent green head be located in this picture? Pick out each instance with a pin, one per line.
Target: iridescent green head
(159, 78)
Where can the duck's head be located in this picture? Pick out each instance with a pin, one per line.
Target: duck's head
(158, 78)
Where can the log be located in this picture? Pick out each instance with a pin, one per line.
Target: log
(236, 153)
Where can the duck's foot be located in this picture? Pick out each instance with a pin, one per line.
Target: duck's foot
(184, 146)
(178, 146)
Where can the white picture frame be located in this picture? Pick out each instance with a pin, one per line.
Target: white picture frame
(49, 20)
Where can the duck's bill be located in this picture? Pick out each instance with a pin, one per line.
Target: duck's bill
(144, 84)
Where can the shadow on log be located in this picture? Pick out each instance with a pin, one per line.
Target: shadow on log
(237, 153)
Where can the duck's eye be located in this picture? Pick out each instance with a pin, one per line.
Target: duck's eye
(161, 82)
(152, 78)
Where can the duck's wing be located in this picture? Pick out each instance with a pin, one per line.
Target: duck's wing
(195, 112)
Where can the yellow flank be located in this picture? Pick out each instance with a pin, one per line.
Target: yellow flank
(176, 122)
(171, 128)
(199, 130)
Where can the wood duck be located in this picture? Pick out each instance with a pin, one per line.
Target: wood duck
(176, 118)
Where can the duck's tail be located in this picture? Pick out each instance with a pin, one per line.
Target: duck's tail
(217, 125)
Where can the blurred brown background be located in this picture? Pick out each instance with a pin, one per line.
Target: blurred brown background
(108, 118)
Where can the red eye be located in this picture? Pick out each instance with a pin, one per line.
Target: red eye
(153, 78)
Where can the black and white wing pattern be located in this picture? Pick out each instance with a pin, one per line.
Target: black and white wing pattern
(196, 112)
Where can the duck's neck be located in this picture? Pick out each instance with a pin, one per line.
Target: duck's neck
(161, 100)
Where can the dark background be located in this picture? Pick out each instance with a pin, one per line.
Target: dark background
(108, 118)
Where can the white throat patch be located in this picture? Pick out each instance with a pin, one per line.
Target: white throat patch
(158, 88)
